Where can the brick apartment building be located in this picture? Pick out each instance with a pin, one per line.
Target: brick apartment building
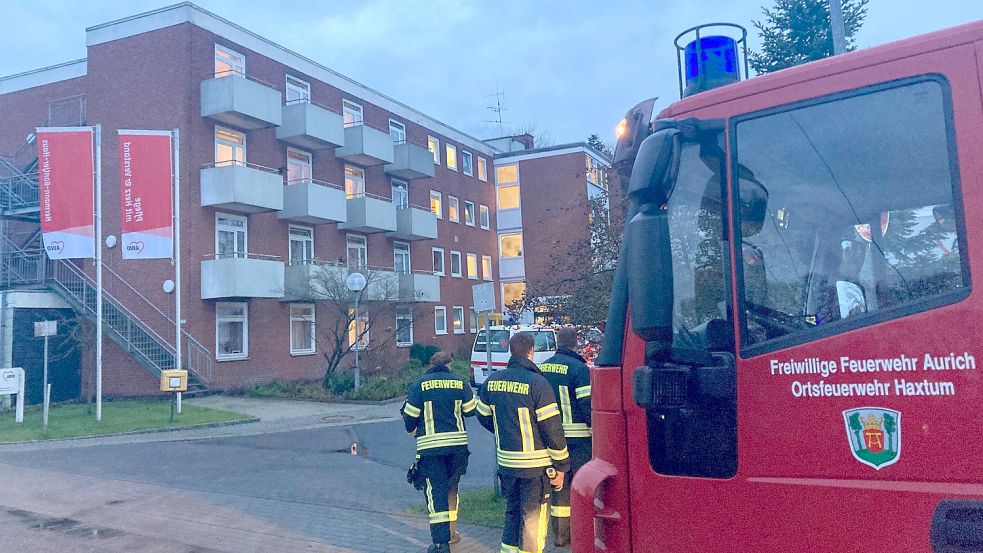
(291, 177)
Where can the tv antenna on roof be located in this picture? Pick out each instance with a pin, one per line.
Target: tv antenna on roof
(498, 109)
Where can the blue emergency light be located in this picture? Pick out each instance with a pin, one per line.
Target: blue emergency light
(709, 61)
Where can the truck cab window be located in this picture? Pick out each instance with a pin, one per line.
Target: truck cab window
(848, 211)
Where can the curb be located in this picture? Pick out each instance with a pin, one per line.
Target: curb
(398, 399)
(135, 432)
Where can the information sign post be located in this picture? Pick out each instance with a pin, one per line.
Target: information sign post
(46, 329)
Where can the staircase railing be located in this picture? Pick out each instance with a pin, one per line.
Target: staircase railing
(19, 192)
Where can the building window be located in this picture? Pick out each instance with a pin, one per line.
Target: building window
(302, 329)
(451, 155)
(508, 197)
(358, 252)
(507, 174)
(435, 201)
(230, 236)
(358, 329)
(404, 328)
(455, 263)
(298, 91)
(466, 165)
(458, 319)
(595, 172)
(354, 181)
(474, 319)
(482, 169)
(298, 166)
(469, 213)
(440, 320)
(401, 258)
(229, 62)
(397, 131)
(230, 147)
(510, 245)
(351, 113)
(231, 331)
(301, 245)
(433, 144)
(483, 217)
(486, 267)
(512, 292)
(453, 209)
(438, 261)
(401, 195)
(473, 266)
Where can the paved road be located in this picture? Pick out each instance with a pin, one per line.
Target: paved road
(299, 490)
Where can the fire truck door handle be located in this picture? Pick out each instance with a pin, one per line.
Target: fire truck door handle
(957, 527)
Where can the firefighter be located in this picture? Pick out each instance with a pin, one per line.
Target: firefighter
(569, 376)
(518, 405)
(434, 412)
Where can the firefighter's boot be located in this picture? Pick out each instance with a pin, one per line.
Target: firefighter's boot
(561, 531)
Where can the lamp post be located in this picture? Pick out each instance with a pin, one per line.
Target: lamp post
(356, 283)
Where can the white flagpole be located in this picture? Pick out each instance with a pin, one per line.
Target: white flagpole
(98, 168)
(176, 171)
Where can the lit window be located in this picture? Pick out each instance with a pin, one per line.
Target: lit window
(473, 266)
(440, 320)
(510, 245)
(486, 267)
(401, 258)
(435, 201)
(229, 62)
(453, 209)
(483, 216)
(397, 131)
(230, 235)
(230, 147)
(231, 331)
(482, 169)
(458, 319)
(508, 197)
(298, 91)
(351, 113)
(301, 245)
(466, 165)
(354, 182)
(404, 328)
(505, 174)
(469, 213)
(358, 329)
(451, 155)
(455, 264)
(438, 261)
(302, 329)
(512, 292)
(433, 144)
(298, 166)
(595, 172)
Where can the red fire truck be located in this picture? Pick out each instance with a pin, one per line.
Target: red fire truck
(790, 360)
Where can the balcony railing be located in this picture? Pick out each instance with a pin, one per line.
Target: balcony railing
(240, 186)
(414, 223)
(309, 125)
(235, 99)
(241, 275)
(313, 202)
(369, 213)
(410, 161)
(366, 145)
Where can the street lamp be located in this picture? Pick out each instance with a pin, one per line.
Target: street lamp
(356, 283)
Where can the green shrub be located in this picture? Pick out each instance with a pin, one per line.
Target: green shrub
(461, 367)
(423, 352)
(340, 383)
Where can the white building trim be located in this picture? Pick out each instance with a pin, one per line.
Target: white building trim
(43, 76)
(506, 160)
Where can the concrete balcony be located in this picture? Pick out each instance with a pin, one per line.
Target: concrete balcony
(414, 223)
(242, 277)
(314, 203)
(320, 281)
(366, 146)
(238, 101)
(511, 268)
(369, 214)
(411, 162)
(241, 187)
(311, 127)
(419, 287)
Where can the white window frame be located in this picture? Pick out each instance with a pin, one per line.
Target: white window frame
(503, 166)
(245, 233)
(231, 53)
(486, 270)
(364, 247)
(354, 191)
(299, 86)
(400, 129)
(450, 151)
(473, 321)
(482, 169)
(466, 221)
(435, 142)
(404, 314)
(409, 258)
(467, 163)
(349, 107)
(460, 264)
(522, 246)
(303, 318)
(234, 146)
(498, 198)
(291, 238)
(436, 329)
(443, 267)
(453, 215)
(472, 276)
(404, 199)
(435, 195)
(309, 167)
(244, 319)
(504, 284)
(458, 315)
(484, 222)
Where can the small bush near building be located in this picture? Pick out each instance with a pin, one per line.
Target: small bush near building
(423, 352)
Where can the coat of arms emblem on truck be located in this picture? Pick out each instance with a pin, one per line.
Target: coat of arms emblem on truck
(874, 434)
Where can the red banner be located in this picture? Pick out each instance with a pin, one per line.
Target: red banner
(146, 214)
(66, 188)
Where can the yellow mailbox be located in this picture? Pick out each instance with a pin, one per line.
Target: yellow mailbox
(173, 380)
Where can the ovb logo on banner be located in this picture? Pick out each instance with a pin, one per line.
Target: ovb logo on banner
(146, 178)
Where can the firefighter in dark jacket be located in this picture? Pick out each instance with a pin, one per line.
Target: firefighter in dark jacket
(569, 376)
(434, 412)
(518, 405)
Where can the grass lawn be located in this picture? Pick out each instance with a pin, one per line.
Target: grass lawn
(478, 506)
(75, 419)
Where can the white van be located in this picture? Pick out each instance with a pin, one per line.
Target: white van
(545, 347)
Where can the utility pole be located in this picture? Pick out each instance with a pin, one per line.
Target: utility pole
(836, 22)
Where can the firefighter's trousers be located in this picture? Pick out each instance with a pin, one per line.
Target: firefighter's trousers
(580, 454)
(442, 474)
(526, 513)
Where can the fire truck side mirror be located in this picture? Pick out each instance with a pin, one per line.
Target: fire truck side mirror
(649, 262)
(656, 166)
